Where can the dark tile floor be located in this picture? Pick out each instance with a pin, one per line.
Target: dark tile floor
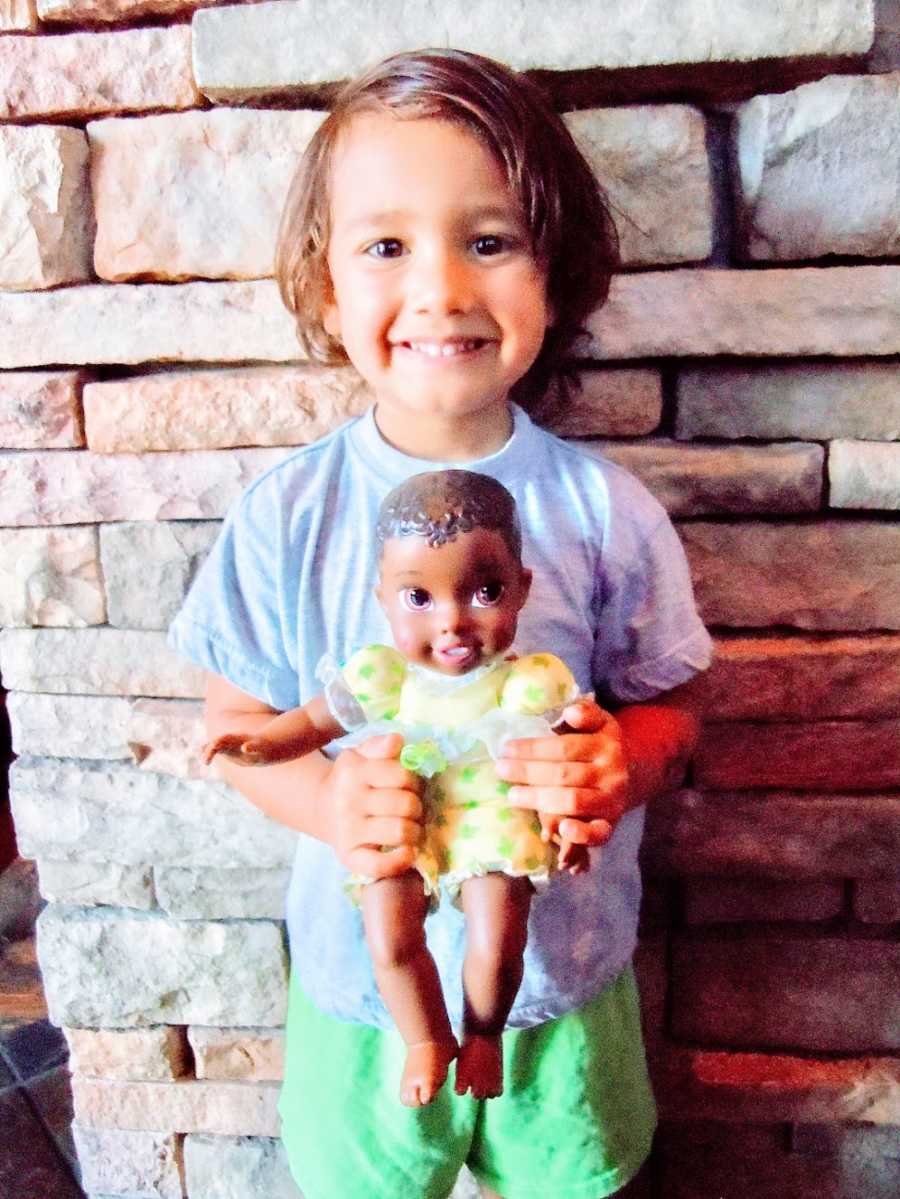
(37, 1157)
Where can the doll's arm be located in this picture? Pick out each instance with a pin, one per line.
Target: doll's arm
(282, 738)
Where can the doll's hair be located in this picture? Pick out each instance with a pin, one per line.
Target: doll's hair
(440, 504)
(572, 232)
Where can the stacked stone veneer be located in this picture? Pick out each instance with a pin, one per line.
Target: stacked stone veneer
(746, 368)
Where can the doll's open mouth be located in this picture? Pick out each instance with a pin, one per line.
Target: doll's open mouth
(456, 656)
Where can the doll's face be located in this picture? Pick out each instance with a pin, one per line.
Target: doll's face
(455, 606)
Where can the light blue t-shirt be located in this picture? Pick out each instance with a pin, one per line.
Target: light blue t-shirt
(292, 577)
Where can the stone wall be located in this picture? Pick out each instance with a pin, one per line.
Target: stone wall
(746, 367)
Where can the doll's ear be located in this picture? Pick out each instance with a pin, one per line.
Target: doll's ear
(526, 586)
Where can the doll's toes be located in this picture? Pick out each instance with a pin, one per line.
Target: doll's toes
(479, 1068)
(425, 1071)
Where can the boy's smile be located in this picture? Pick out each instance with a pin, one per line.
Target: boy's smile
(436, 295)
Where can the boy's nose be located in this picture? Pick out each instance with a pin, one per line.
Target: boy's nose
(442, 283)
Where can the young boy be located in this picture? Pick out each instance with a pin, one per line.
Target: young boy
(445, 235)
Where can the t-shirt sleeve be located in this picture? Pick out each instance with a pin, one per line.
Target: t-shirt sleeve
(650, 635)
(234, 621)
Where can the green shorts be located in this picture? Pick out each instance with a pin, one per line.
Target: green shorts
(575, 1120)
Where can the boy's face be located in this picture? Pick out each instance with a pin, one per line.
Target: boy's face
(454, 606)
(436, 295)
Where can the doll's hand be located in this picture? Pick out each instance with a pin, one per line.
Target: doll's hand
(577, 779)
(373, 803)
(246, 751)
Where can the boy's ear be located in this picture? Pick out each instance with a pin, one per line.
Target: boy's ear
(331, 321)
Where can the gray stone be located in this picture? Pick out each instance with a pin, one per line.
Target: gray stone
(152, 322)
(223, 1108)
(114, 10)
(114, 969)
(249, 51)
(17, 15)
(92, 884)
(94, 812)
(840, 575)
(691, 480)
(821, 401)
(609, 402)
(169, 553)
(120, 1161)
(801, 156)
(235, 1167)
(653, 165)
(864, 474)
(70, 726)
(218, 894)
(96, 662)
(50, 577)
(167, 737)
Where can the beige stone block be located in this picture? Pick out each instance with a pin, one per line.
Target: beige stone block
(824, 995)
(158, 1054)
(223, 1108)
(801, 156)
(837, 575)
(803, 678)
(691, 480)
(252, 1165)
(86, 74)
(50, 577)
(134, 323)
(96, 884)
(169, 553)
(70, 726)
(100, 11)
(827, 755)
(40, 410)
(864, 474)
(124, 1162)
(106, 812)
(822, 401)
(241, 1054)
(877, 900)
(654, 167)
(167, 736)
(47, 228)
(48, 488)
(195, 194)
(121, 969)
(774, 835)
(242, 52)
(96, 662)
(206, 410)
(17, 15)
(610, 402)
(221, 894)
(729, 901)
(843, 311)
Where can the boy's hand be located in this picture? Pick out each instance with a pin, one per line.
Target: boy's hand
(371, 801)
(576, 780)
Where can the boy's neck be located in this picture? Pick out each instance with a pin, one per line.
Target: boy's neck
(436, 438)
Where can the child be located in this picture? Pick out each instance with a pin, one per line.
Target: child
(445, 235)
(451, 585)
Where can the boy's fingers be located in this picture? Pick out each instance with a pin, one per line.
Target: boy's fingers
(387, 746)
(585, 716)
(396, 801)
(373, 863)
(595, 773)
(583, 803)
(583, 747)
(393, 831)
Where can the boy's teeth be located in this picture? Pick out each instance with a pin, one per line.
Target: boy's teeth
(435, 349)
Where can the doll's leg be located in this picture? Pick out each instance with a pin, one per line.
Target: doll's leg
(496, 909)
(394, 911)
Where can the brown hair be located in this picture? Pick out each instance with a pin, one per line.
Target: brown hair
(565, 209)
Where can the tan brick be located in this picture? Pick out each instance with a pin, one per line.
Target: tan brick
(40, 410)
(833, 311)
(815, 400)
(48, 488)
(205, 410)
(100, 11)
(835, 755)
(800, 158)
(723, 900)
(50, 577)
(17, 15)
(91, 73)
(805, 678)
(131, 323)
(224, 1108)
(775, 835)
(195, 194)
(124, 1162)
(158, 1054)
(170, 553)
(241, 1054)
(612, 403)
(877, 900)
(828, 575)
(864, 475)
(823, 995)
(691, 480)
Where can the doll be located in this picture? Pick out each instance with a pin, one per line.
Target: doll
(451, 584)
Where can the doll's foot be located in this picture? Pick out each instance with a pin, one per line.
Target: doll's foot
(425, 1071)
(479, 1068)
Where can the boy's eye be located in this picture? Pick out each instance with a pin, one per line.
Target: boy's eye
(488, 594)
(387, 247)
(488, 244)
(417, 599)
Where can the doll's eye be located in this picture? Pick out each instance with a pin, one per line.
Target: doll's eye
(417, 599)
(387, 247)
(488, 595)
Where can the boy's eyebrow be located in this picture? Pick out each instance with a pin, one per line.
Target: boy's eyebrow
(482, 212)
